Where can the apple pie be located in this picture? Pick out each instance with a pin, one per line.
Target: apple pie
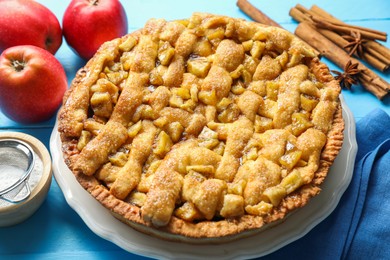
(206, 129)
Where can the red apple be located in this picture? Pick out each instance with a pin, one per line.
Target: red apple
(87, 24)
(32, 83)
(26, 22)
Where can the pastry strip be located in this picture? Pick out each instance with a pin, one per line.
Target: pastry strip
(168, 180)
(192, 122)
(239, 133)
(130, 98)
(289, 95)
(96, 152)
(75, 109)
(130, 174)
(165, 189)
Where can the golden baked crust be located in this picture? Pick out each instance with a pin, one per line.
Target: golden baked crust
(202, 129)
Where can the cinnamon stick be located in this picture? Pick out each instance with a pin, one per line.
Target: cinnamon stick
(255, 13)
(371, 81)
(372, 47)
(375, 53)
(379, 48)
(377, 61)
(344, 28)
(327, 21)
(321, 12)
(298, 15)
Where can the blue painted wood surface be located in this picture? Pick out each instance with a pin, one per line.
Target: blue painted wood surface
(55, 230)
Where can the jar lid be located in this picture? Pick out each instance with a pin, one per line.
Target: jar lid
(25, 176)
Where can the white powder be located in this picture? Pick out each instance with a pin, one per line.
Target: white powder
(13, 164)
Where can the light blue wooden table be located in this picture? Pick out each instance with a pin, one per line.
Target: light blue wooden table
(55, 230)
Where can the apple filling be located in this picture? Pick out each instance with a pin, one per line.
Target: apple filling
(202, 120)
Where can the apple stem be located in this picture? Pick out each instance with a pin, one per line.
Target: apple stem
(18, 65)
(94, 2)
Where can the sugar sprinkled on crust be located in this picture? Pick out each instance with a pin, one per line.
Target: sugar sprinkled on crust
(220, 80)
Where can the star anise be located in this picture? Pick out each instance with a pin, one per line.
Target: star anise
(349, 76)
(355, 44)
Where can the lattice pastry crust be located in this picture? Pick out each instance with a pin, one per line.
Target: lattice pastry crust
(201, 130)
